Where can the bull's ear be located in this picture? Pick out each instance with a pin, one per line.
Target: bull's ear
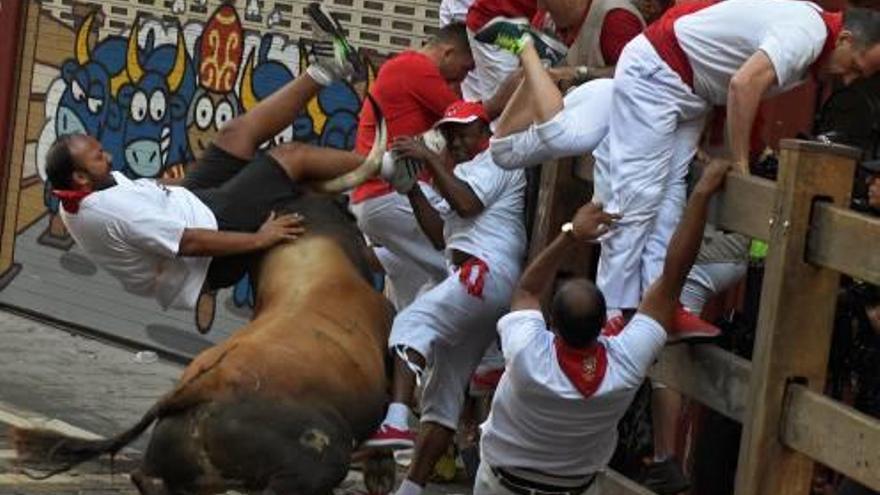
(67, 70)
(178, 107)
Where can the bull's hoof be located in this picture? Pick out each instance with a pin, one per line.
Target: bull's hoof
(380, 472)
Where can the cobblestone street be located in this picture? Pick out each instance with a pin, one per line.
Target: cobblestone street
(55, 379)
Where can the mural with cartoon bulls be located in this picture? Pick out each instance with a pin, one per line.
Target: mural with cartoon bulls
(154, 94)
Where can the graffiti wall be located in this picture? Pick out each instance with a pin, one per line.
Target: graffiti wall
(154, 92)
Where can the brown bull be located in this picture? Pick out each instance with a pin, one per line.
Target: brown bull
(281, 404)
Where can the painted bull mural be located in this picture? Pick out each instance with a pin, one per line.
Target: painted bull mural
(155, 97)
(280, 405)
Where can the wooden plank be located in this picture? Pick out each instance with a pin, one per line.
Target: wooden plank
(846, 241)
(835, 435)
(559, 197)
(795, 321)
(706, 373)
(745, 206)
(613, 483)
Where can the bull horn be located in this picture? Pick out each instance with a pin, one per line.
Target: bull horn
(132, 64)
(248, 99)
(371, 164)
(175, 77)
(82, 40)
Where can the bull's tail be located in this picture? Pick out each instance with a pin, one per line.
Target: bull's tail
(58, 452)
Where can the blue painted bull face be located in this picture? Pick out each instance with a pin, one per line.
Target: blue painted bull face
(87, 104)
(154, 104)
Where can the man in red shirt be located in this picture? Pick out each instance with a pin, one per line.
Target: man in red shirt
(412, 89)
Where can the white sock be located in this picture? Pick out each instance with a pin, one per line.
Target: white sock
(321, 75)
(398, 416)
(613, 313)
(409, 488)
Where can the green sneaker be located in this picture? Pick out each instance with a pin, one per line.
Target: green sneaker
(509, 34)
(334, 55)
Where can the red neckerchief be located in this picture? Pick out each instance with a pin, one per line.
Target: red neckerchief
(834, 24)
(585, 368)
(70, 200)
(472, 275)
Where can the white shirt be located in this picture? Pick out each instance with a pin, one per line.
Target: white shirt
(497, 234)
(719, 39)
(539, 420)
(133, 230)
(453, 11)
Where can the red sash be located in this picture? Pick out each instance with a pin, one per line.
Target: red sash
(585, 368)
(472, 275)
(834, 23)
(661, 34)
(70, 200)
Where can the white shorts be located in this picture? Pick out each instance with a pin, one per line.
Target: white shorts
(452, 330)
(576, 130)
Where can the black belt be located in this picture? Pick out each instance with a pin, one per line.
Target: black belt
(522, 486)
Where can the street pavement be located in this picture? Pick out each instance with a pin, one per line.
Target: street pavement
(52, 378)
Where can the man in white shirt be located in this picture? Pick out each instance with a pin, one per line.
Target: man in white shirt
(168, 239)
(446, 330)
(553, 423)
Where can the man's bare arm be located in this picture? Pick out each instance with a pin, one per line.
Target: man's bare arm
(661, 299)
(747, 87)
(207, 242)
(427, 217)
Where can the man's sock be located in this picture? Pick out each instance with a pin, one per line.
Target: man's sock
(613, 313)
(409, 488)
(398, 416)
(320, 74)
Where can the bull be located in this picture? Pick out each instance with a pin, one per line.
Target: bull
(280, 405)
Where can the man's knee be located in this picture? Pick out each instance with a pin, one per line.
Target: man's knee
(236, 138)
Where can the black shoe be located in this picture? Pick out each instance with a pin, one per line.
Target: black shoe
(665, 478)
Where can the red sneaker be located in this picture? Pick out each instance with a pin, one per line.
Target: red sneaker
(484, 382)
(390, 437)
(688, 326)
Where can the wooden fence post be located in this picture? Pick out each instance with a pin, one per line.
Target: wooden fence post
(796, 317)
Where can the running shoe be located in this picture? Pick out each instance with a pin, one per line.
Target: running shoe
(687, 326)
(390, 437)
(484, 382)
(549, 48)
(333, 54)
(510, 34)
(513, 35)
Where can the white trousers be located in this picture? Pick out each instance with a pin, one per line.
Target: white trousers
(654, 128)
(707, 279)
(409, 259)
(576, 130)
(452, 330)
(492, 66)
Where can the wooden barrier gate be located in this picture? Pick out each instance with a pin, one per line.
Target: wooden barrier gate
(788, 424)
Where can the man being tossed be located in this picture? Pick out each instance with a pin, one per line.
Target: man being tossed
(168, 241)
(555, 412)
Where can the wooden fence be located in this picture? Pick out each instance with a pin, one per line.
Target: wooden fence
(788, 424)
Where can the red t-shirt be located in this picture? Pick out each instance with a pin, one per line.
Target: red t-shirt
(618, 28)
(412, 95)
(483, 11)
